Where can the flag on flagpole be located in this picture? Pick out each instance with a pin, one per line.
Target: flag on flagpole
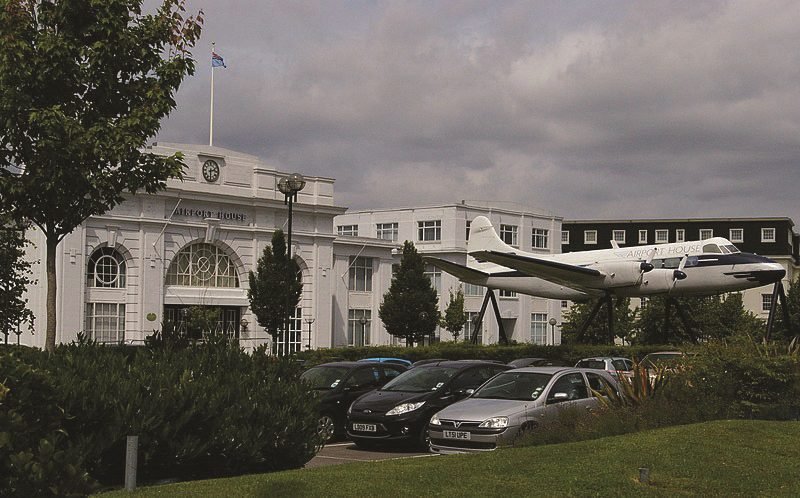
(216, 60)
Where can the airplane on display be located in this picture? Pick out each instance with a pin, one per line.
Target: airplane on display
(697, 268)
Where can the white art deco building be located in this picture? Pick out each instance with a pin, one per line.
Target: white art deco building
(123, 274)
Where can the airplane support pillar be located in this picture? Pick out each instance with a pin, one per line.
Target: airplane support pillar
(501, 338)
(778, 293)
(667, 316)
(685, 321)
(610, 315)
(588, 321)
(477, 325)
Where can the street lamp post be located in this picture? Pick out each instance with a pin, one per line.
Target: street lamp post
(289, 187)
(309, 321)
(363, 322)
(552, 323)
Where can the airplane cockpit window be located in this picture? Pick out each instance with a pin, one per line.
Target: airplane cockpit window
(725, 249)
(712, 248)
(692, 261)
(672, 262)
(733, 249)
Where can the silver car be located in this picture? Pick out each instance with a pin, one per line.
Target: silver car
(511, 403)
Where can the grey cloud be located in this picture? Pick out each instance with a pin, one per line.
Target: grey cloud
(618, 109)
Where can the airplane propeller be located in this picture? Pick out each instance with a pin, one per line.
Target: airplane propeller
(646, 265)
(679, 274)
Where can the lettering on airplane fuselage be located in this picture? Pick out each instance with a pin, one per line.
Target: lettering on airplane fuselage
(643, 253)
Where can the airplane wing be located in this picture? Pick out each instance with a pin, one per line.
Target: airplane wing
(554, 271)
(469, 275)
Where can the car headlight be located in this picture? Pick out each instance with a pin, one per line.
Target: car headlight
(495, 423)
(405, 408)
(435, 420)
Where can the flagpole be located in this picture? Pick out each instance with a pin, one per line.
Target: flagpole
(211, 120)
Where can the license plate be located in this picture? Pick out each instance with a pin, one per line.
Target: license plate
(365, 427)
(456, 435)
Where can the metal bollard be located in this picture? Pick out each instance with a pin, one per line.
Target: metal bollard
(644, 475)
(131, 457)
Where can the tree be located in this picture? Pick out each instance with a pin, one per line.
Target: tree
(454, 316)
(410, 309)
(597, 331)
(83, 86)
(14, 277)
(274, 285)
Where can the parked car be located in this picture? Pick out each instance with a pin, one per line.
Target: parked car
(536, 362)
(396, 361)
(340, 383)
(663, 358)
(615, 365)
(427, 361)
(399, 412)
(511, 404)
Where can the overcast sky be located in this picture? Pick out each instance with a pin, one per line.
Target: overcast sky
(586, 109)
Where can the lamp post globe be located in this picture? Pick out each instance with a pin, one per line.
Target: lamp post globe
(363, 322)
(552, 323)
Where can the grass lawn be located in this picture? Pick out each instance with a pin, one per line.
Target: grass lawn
(725, 458)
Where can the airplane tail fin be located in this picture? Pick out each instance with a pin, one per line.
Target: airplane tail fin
(482, 237)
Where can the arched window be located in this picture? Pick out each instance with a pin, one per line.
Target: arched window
(106, 269)
(202, 265)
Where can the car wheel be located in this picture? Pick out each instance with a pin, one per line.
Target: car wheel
(424, 438)
(326, 428)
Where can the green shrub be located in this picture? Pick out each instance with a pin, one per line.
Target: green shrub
(37, 456)
(203, 411)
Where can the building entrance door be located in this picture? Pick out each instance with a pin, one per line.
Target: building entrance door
(199, 321)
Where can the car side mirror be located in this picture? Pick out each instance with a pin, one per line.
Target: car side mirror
(469, 392)
(558, 397)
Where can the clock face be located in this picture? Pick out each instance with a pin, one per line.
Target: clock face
(210, 170)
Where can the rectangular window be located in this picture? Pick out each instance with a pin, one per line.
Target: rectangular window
(358, 334)
(469, 327)
(618, 236)
(105, 322)
(767, 235)
(435, 275)
(643, 302)
(539, 238)
(736, 235)
(706, 233)
(662, 236)
(508, 294)
(565, 236)
(643, 236)
(680, 235)
(360, 274)
(766, 302)
(351, 230)
(466, 235)
(509, 234)
(590, 237)
(430, 231)
(387, 231)
(474, 290)
(295, 333)
(564, 305)
(539, 328)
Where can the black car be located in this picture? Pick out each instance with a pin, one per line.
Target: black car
(340, 383)
(399, 412)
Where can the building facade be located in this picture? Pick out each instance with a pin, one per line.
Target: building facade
(443, 231)
(771, 237)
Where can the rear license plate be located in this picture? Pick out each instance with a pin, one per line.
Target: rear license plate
(365, 427)
(456, 435)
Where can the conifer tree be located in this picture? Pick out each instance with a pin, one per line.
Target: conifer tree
(410, 309)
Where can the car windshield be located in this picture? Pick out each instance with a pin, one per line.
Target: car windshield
(522, 386)
(421, 379)
(322, 377)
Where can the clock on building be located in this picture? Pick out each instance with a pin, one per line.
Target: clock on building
(210, 170)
